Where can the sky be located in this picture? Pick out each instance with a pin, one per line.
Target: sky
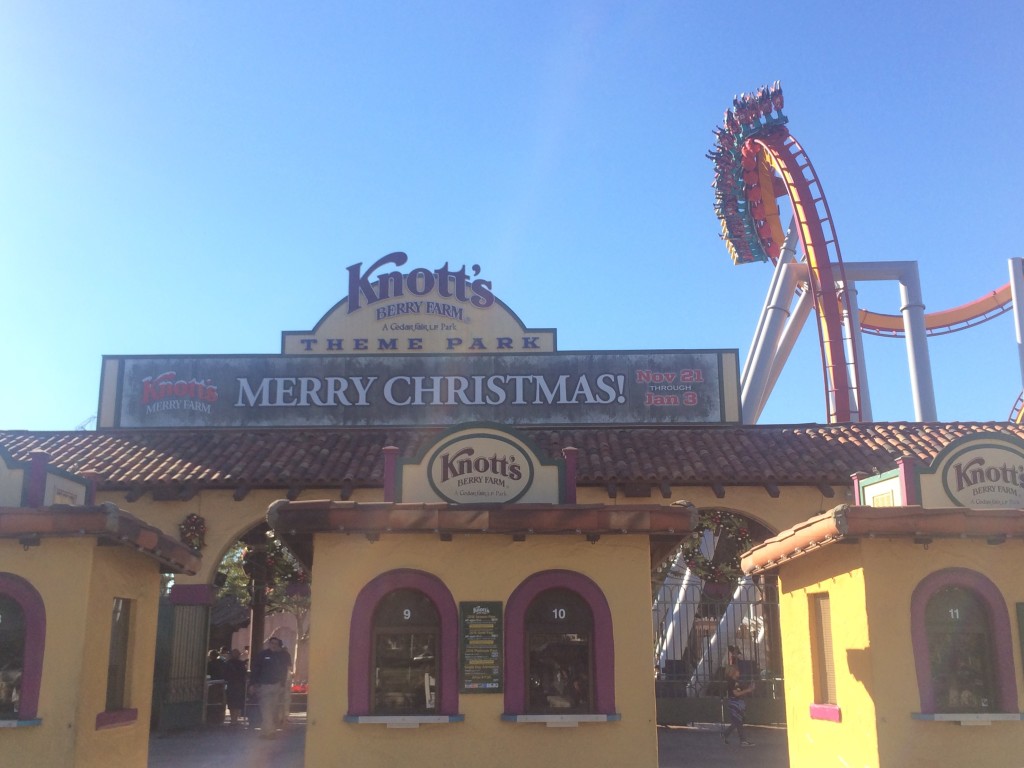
(195, 177)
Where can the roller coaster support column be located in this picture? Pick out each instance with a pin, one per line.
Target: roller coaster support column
(855, 348)
(757, 369)
(797, 321)
(917, 345)
(912, 309)
(1017, 291)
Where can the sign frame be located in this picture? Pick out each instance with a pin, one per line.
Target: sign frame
(489, 615)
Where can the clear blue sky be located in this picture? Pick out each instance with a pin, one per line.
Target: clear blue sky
(194, 177)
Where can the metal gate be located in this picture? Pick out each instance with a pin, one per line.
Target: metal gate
(179, 684)
(695, 624)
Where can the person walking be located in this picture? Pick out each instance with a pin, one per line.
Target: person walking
(736, 704)
(269, 676)
(235, 675)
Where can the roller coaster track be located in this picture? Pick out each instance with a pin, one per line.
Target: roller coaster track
(755, 132)
(965, 316)
(821, 252)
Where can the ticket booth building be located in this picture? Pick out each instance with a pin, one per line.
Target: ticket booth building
(79, 587)
(901, 622)
(514, 633)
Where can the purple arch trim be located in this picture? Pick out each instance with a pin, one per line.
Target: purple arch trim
(515, 638)
(35, 639)
(1005, 676)
(360, 656)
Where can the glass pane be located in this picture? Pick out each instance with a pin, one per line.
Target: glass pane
(559, 628)
(405, 642)
(560, 610)
(559, 670)
(960, 652)
(405, 672)
(117, 667)
(12, 656)
(406, 608)
(956, 609)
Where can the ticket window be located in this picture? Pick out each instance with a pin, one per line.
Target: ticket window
(406, 632)
(12, 656)
(960, 651)
(559, 628)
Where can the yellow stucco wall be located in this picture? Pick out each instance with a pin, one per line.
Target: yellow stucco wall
(77, 581)
(818, 743)
(895, 567)
(481, 568)
(870, 586)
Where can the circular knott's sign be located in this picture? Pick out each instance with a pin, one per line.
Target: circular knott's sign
(480, 468)
(985, 473)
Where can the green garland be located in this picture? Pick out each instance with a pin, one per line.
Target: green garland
(724, 566)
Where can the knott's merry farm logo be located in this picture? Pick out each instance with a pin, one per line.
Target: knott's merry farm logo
(977, 472)
(167, 392)
(480, 468)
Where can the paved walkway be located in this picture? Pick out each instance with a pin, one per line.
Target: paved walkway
(698, 746)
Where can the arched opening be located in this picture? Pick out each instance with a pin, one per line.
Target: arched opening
(22, 640)
(404, 647)
(707, 614)
(559, 619)
(963, 651)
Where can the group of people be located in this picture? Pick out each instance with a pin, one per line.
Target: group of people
(265, 683)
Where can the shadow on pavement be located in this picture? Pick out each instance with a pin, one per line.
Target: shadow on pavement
(701, 746)
(226, 746)
(229, 746)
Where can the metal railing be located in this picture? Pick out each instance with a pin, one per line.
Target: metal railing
(694, 626)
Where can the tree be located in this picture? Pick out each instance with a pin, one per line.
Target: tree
(245, 568)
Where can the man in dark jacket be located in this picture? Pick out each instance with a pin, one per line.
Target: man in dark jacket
(269, 674)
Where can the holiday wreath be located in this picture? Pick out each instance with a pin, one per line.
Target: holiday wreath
(192, 531)
(733, 539)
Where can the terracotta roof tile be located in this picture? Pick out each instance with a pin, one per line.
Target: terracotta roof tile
(685, 455)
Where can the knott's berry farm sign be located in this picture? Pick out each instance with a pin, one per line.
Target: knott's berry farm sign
(384, 356)
(986, 472)
(440, 310)
(480, 464)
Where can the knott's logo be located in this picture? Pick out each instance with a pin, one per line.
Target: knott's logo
(363, 289)
(987, 474)
(479, 469)
(166, 392)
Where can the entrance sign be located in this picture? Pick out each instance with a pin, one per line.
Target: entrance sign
(480, 464)
(480, 468)
(420, 347)
(660, 387)
(423, 310)
(480, 658)
(983, 472)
